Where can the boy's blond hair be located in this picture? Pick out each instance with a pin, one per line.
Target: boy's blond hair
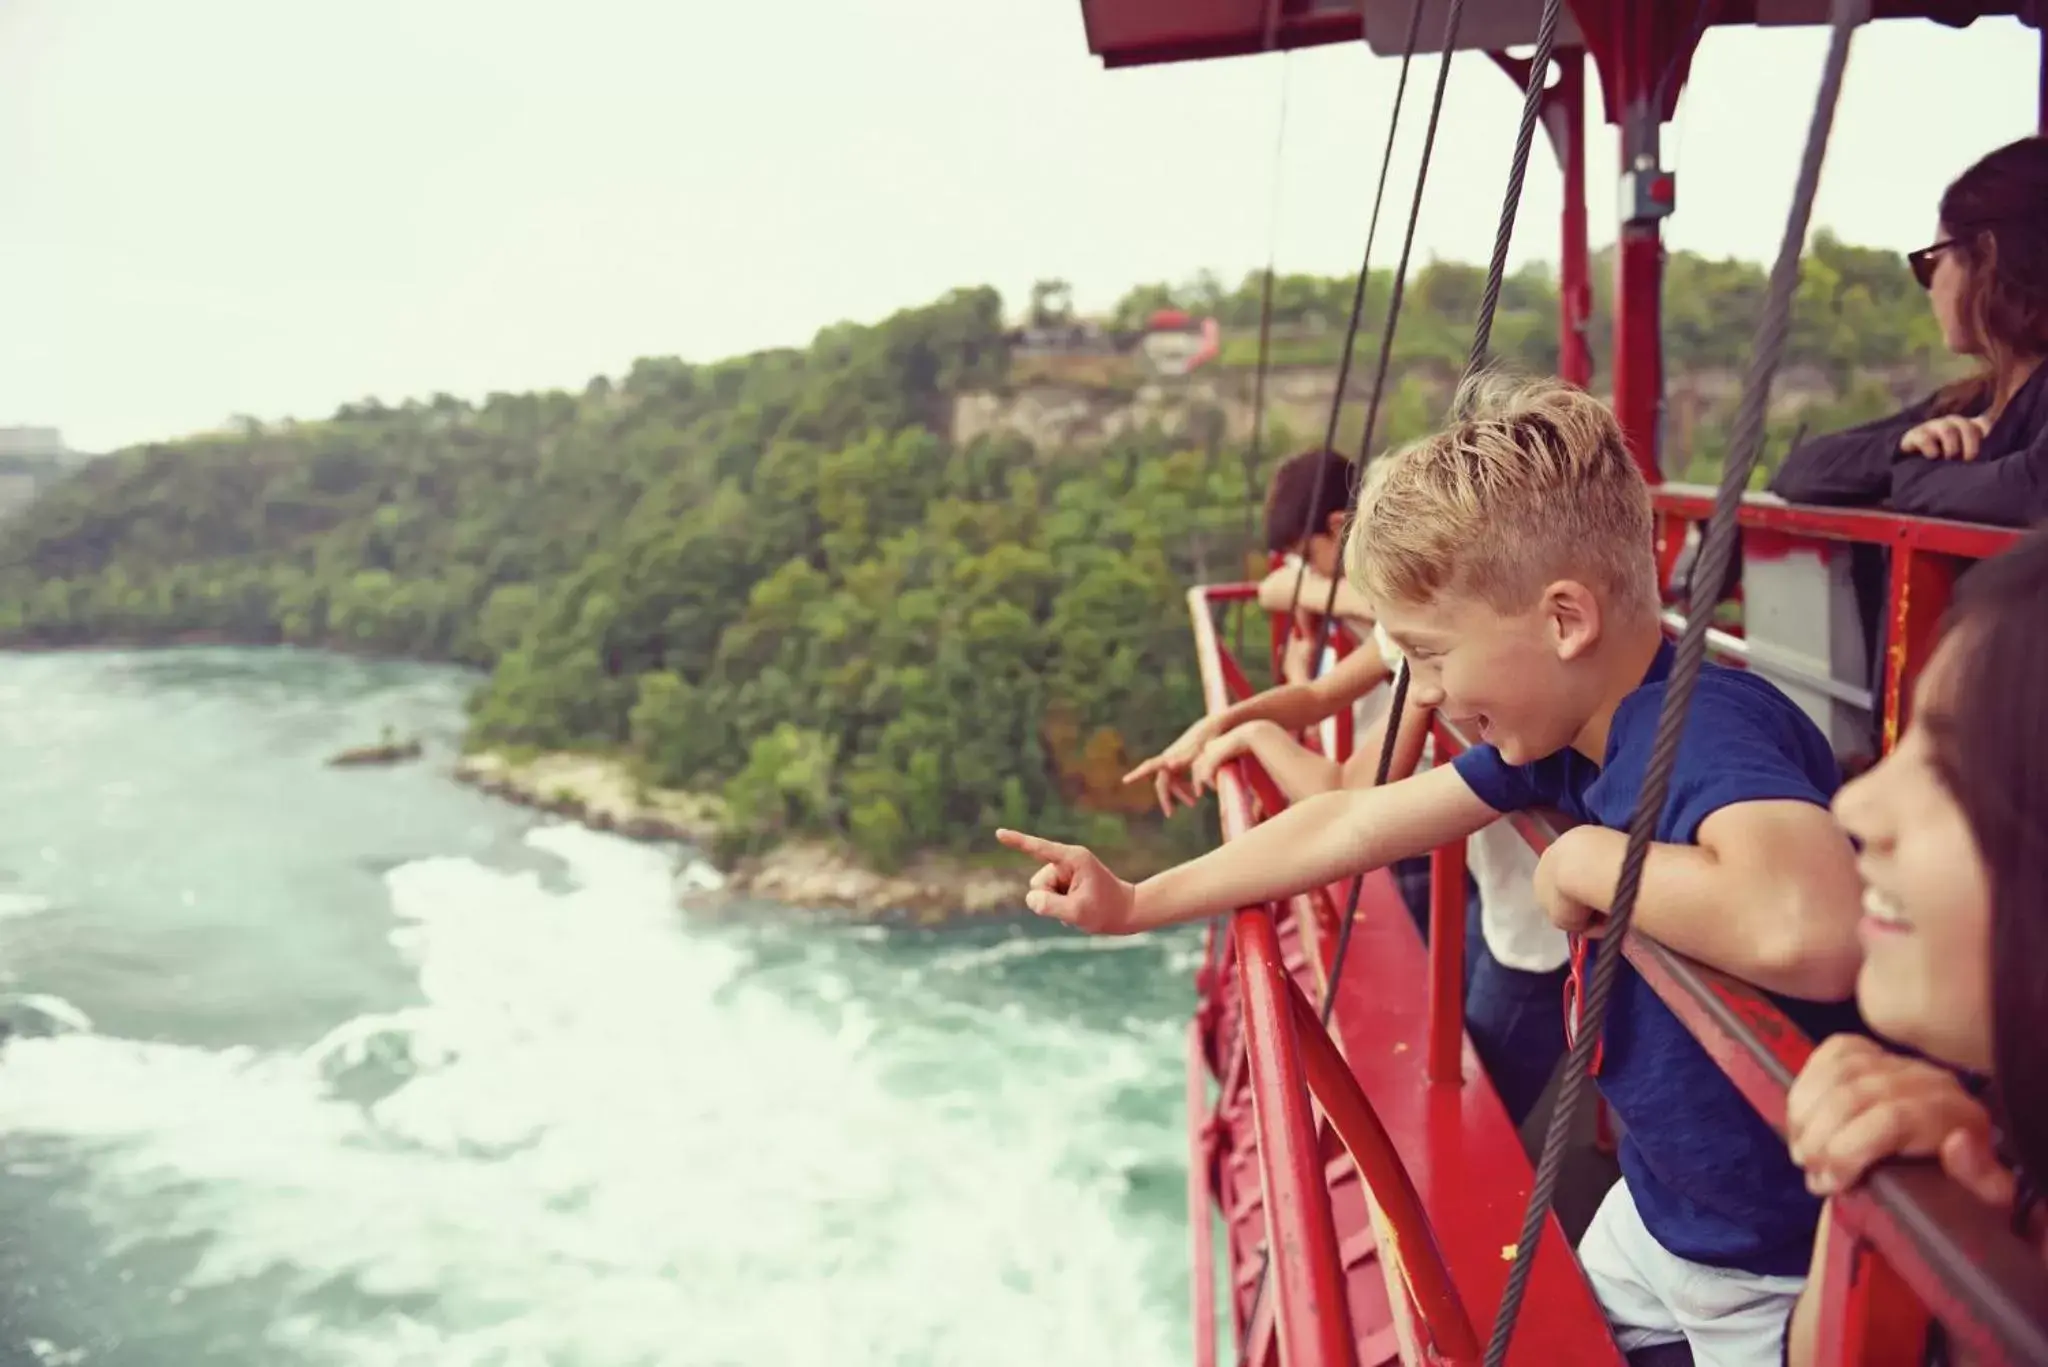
(1531, 483)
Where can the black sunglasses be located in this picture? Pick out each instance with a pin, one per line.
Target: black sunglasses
(1926, 259)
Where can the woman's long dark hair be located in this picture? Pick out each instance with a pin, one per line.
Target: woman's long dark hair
(1993, 748)
(1996, 213)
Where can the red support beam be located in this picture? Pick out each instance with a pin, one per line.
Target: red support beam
(1868, 1315)
(1638, 342)
(1234, 678)
(1643, 53)
(1922, 583)
(1447, 965)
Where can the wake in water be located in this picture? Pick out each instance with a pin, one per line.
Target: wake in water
(604, 1138)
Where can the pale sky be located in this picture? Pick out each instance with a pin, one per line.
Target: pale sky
(270, 207)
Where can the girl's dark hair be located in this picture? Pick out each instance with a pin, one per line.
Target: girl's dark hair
(1996, 213)
(1994, 749)
(1305, 490)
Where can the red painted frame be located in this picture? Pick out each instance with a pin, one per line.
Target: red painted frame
(1927, 555)
(1906, 1247)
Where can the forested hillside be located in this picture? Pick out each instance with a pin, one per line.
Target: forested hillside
(775, 577)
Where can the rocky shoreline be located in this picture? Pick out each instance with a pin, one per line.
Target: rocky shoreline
(602, 793)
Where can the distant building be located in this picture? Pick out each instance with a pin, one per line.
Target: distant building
(32, 441)
(31, 460)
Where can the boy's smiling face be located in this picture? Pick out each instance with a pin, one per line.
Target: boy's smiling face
(1517, 681)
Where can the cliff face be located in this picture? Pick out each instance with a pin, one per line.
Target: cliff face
(1053, 412)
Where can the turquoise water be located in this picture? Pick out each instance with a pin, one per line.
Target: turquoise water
(324, 1066)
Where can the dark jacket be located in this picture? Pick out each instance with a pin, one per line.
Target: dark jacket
(2007, 484)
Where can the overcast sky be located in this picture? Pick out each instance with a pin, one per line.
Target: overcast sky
(217, 207)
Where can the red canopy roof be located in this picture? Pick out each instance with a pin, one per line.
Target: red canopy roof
(1138, 32)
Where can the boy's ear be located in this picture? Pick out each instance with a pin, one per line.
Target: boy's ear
(1572, 615)
(1336, 522)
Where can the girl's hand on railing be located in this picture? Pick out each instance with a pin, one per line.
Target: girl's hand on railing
(1222, 750)
(1075, 886)
(1167, 768)
(1856, 1104)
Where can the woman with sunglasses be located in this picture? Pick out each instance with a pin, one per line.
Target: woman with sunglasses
(1977, 450)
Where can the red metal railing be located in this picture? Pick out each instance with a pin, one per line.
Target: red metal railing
(1907, 1246)
(1290, 1059)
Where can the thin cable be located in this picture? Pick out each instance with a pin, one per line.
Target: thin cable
(1482, 333)
(1539, 67)
(1372, 232)
(1518, 172)
(1452, 22)
(1715, 551)
(1255, 452)
(1532, 104)
(1395, 707)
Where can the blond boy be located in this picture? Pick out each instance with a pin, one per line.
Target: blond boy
(1509, 556)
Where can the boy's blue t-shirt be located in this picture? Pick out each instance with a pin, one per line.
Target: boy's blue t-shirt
(1713, 1182)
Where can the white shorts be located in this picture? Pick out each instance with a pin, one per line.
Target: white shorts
(1727, 1317)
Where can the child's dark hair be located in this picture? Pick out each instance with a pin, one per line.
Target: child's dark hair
(1991, 740)
(1305, 490)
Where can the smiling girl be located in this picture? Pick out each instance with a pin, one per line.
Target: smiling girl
(1953, 835)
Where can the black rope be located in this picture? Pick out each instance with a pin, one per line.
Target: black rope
(1395, 707)
(1400, 699)
(1716, 548)
(1372, 232)
(1255, 452)
(1518, 172)
(1482, 333)
(1504, 232)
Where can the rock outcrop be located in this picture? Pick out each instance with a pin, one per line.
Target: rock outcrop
(602, 793)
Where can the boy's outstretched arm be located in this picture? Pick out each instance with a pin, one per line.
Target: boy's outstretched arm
(1312, 843)
(1770, 894)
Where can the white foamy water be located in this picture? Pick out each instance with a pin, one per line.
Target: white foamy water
(13, 904)
(600, 1139)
